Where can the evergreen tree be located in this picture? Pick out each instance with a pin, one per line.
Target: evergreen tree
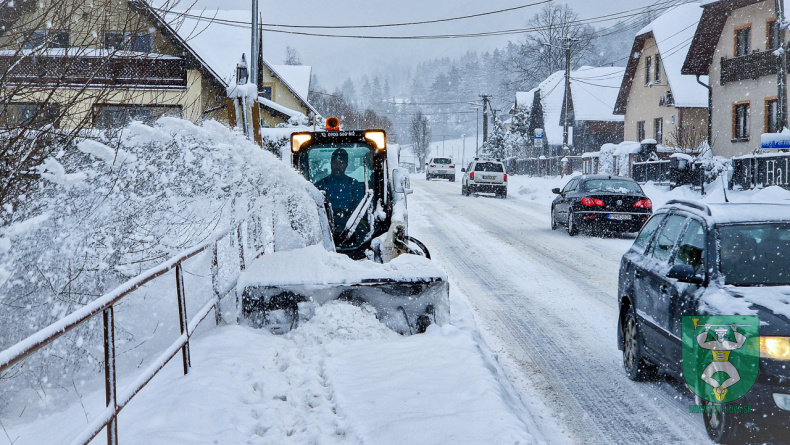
(494, 147)
(518, 136)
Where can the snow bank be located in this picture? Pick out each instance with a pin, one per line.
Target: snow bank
(109, 209)
(340, 378)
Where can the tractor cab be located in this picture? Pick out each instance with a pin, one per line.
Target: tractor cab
(350, 169)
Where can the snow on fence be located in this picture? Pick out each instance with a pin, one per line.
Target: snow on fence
(761, 170)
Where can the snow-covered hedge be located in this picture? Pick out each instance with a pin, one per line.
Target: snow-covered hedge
(105, 210)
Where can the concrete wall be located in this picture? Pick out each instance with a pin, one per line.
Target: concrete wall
(754, 92)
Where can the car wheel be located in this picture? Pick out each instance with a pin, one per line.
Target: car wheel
(553, 220)
(452, 178)
(427, 177)
(464, 190)
(636, 366)
(572, 229)
(721, 427)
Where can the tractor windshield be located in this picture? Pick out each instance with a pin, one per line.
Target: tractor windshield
(343, 172)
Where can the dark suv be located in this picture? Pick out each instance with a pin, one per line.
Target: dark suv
(719, 259)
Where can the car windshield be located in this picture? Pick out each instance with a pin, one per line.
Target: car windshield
(489, 167)
(612, 186)
(442, 161)
(755, 254)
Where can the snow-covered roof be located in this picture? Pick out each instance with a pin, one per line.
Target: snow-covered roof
(220, 46)
(673, 32)
(275, 106)
(298, 76)
(594, 93)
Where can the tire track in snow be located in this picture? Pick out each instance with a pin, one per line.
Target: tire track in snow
(558, 318)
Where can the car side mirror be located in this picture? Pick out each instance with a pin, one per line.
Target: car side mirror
(400, 181)
(684, 273)
(555, 190)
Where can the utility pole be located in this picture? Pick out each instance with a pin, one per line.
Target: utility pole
(486, 104)
(568, 41)
(463, 150)
(254, 53)
(781, 79)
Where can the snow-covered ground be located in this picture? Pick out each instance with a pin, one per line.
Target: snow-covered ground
(341, 377)
(541, 301)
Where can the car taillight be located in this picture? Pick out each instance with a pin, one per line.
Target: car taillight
(472, 176)
(592, 202)
(452, 166)
(644, 204)
(432, 166)
(505, 177)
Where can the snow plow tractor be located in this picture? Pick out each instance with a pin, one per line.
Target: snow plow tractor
(371, 260)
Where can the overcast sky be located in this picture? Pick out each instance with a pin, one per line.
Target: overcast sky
(335, 59)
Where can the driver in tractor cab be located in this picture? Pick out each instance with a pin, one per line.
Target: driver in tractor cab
(342, 191)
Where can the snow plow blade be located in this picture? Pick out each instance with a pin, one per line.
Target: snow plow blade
(407, 294)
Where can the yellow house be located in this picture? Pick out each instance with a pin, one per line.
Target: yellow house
(657, 101)
(100, 63)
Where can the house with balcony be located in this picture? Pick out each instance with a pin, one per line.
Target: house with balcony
(735, 45)
(102, 63)
(659, 102)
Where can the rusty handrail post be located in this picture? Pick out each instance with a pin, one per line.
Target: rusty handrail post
(182, 312)
(111, 393)
(215, 282)
(240, 239)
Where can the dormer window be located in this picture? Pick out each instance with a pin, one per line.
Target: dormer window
(743, 40)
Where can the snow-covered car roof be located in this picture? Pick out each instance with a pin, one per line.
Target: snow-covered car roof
(731, 213)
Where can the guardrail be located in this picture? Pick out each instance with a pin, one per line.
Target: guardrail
(116, 401)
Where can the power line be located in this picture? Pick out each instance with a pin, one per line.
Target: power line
(598, 19)
(383, 25)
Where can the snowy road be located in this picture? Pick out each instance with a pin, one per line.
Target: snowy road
(546, 303)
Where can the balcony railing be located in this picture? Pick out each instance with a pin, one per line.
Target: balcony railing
(68, 70)
(750, 66)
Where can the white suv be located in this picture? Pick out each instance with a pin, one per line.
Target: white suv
(484, 176)
(440, 168)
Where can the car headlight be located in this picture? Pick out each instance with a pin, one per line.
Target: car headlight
(777, 348)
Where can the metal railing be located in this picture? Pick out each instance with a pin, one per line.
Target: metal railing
(80, 69)
(656, 171)
(749, 66)
(249, 232)
(115, 401)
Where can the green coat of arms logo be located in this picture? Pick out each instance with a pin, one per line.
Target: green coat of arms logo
(721, 356)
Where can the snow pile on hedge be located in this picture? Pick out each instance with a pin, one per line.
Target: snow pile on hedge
(108, 209)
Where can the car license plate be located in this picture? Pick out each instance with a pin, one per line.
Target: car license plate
(489, 177)
(620, 217)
